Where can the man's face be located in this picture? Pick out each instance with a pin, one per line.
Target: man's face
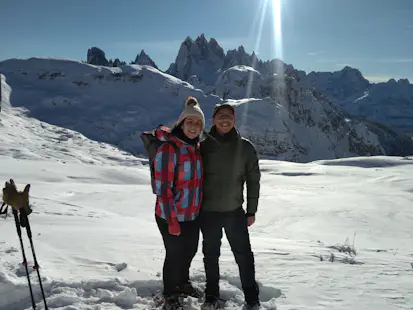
(224, 120)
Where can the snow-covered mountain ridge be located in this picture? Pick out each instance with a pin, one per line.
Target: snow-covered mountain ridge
(203, 63)
(113, 105)
(389, 103)
(242, 81)
(106, 104)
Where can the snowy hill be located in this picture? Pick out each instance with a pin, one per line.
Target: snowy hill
(98, 246)
(106, 104)
(113, 105)
(28, 138)
(203, 63)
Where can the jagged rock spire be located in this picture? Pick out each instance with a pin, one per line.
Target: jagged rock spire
(144, 59)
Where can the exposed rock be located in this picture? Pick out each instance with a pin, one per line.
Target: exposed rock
(144, 59)
(96, 56)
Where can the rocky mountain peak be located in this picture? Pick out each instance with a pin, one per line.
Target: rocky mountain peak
(144, 59)
(95, 56)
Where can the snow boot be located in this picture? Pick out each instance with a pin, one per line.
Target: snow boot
(189, 290)
(251, 295)
(172, 303)
(211, 303)
(252, 306)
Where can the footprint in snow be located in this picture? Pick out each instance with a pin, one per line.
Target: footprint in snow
(11, 250)
(120, 267)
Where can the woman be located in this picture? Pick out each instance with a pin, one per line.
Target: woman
(179, 197)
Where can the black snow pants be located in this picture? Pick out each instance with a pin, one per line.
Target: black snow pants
(236, 230)
(180, 251)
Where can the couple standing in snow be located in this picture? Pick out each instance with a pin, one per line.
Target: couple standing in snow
(199, 186)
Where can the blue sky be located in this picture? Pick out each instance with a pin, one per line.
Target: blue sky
(375, 36)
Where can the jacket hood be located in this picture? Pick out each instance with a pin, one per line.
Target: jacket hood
(164, 133)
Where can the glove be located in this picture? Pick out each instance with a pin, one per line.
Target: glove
(174, 228)
(17, 200)
(250, 219)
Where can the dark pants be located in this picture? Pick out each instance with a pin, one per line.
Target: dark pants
(180, 251)
(236, 230)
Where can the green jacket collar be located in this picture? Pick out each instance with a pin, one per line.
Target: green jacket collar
(231, 136)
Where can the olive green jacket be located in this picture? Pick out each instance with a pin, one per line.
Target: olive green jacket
(229, 162)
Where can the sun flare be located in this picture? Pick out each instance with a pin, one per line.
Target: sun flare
(276, 9)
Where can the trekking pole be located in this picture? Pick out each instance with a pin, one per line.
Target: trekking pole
(36, 265)
(19, 201)
(19, 232)
(3, 210)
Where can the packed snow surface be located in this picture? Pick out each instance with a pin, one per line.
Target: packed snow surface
(99, 248)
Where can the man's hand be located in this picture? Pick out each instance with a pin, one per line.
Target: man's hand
(250, 220)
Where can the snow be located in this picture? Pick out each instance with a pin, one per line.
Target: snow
(98, 245)
(108, 104)
(300, 128)
(114, 104)
(239, 82)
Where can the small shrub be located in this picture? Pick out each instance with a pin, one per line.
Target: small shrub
(348, 250)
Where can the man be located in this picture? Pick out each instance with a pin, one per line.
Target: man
(229, 161)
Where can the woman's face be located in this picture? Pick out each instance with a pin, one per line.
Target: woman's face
(192, 126)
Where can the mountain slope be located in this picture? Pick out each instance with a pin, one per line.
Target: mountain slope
(291, 123)
(22, 137)
(106, 104)
(317, 111)
(113, 105)
(339, 85)
(389, 103)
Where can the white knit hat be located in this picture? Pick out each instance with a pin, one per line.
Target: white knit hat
(192, 108)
